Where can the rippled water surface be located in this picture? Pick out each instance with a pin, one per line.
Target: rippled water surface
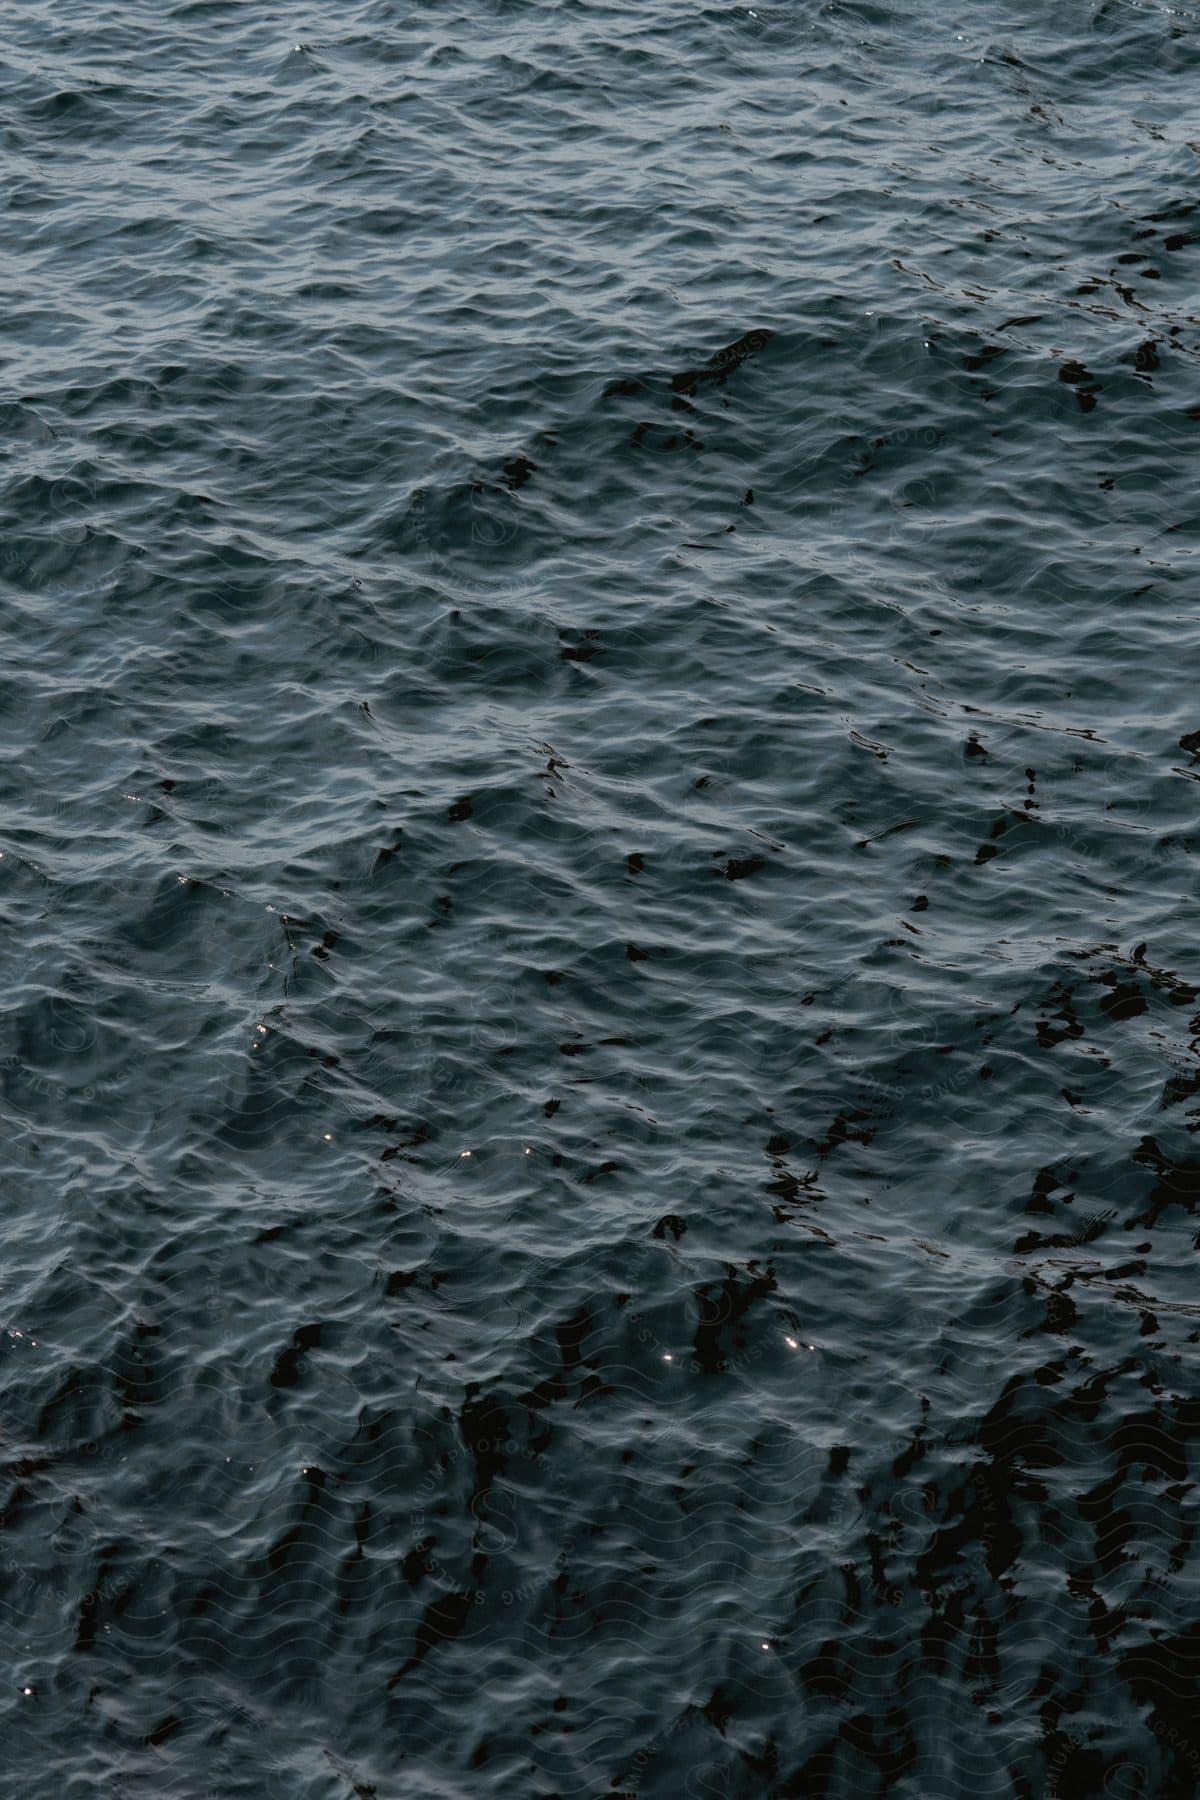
(598, 758)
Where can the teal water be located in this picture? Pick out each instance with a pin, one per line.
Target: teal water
(598, 757)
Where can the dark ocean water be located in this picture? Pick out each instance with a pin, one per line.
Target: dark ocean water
(601, 1014)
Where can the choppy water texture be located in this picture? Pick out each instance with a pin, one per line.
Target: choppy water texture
(598, 807)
